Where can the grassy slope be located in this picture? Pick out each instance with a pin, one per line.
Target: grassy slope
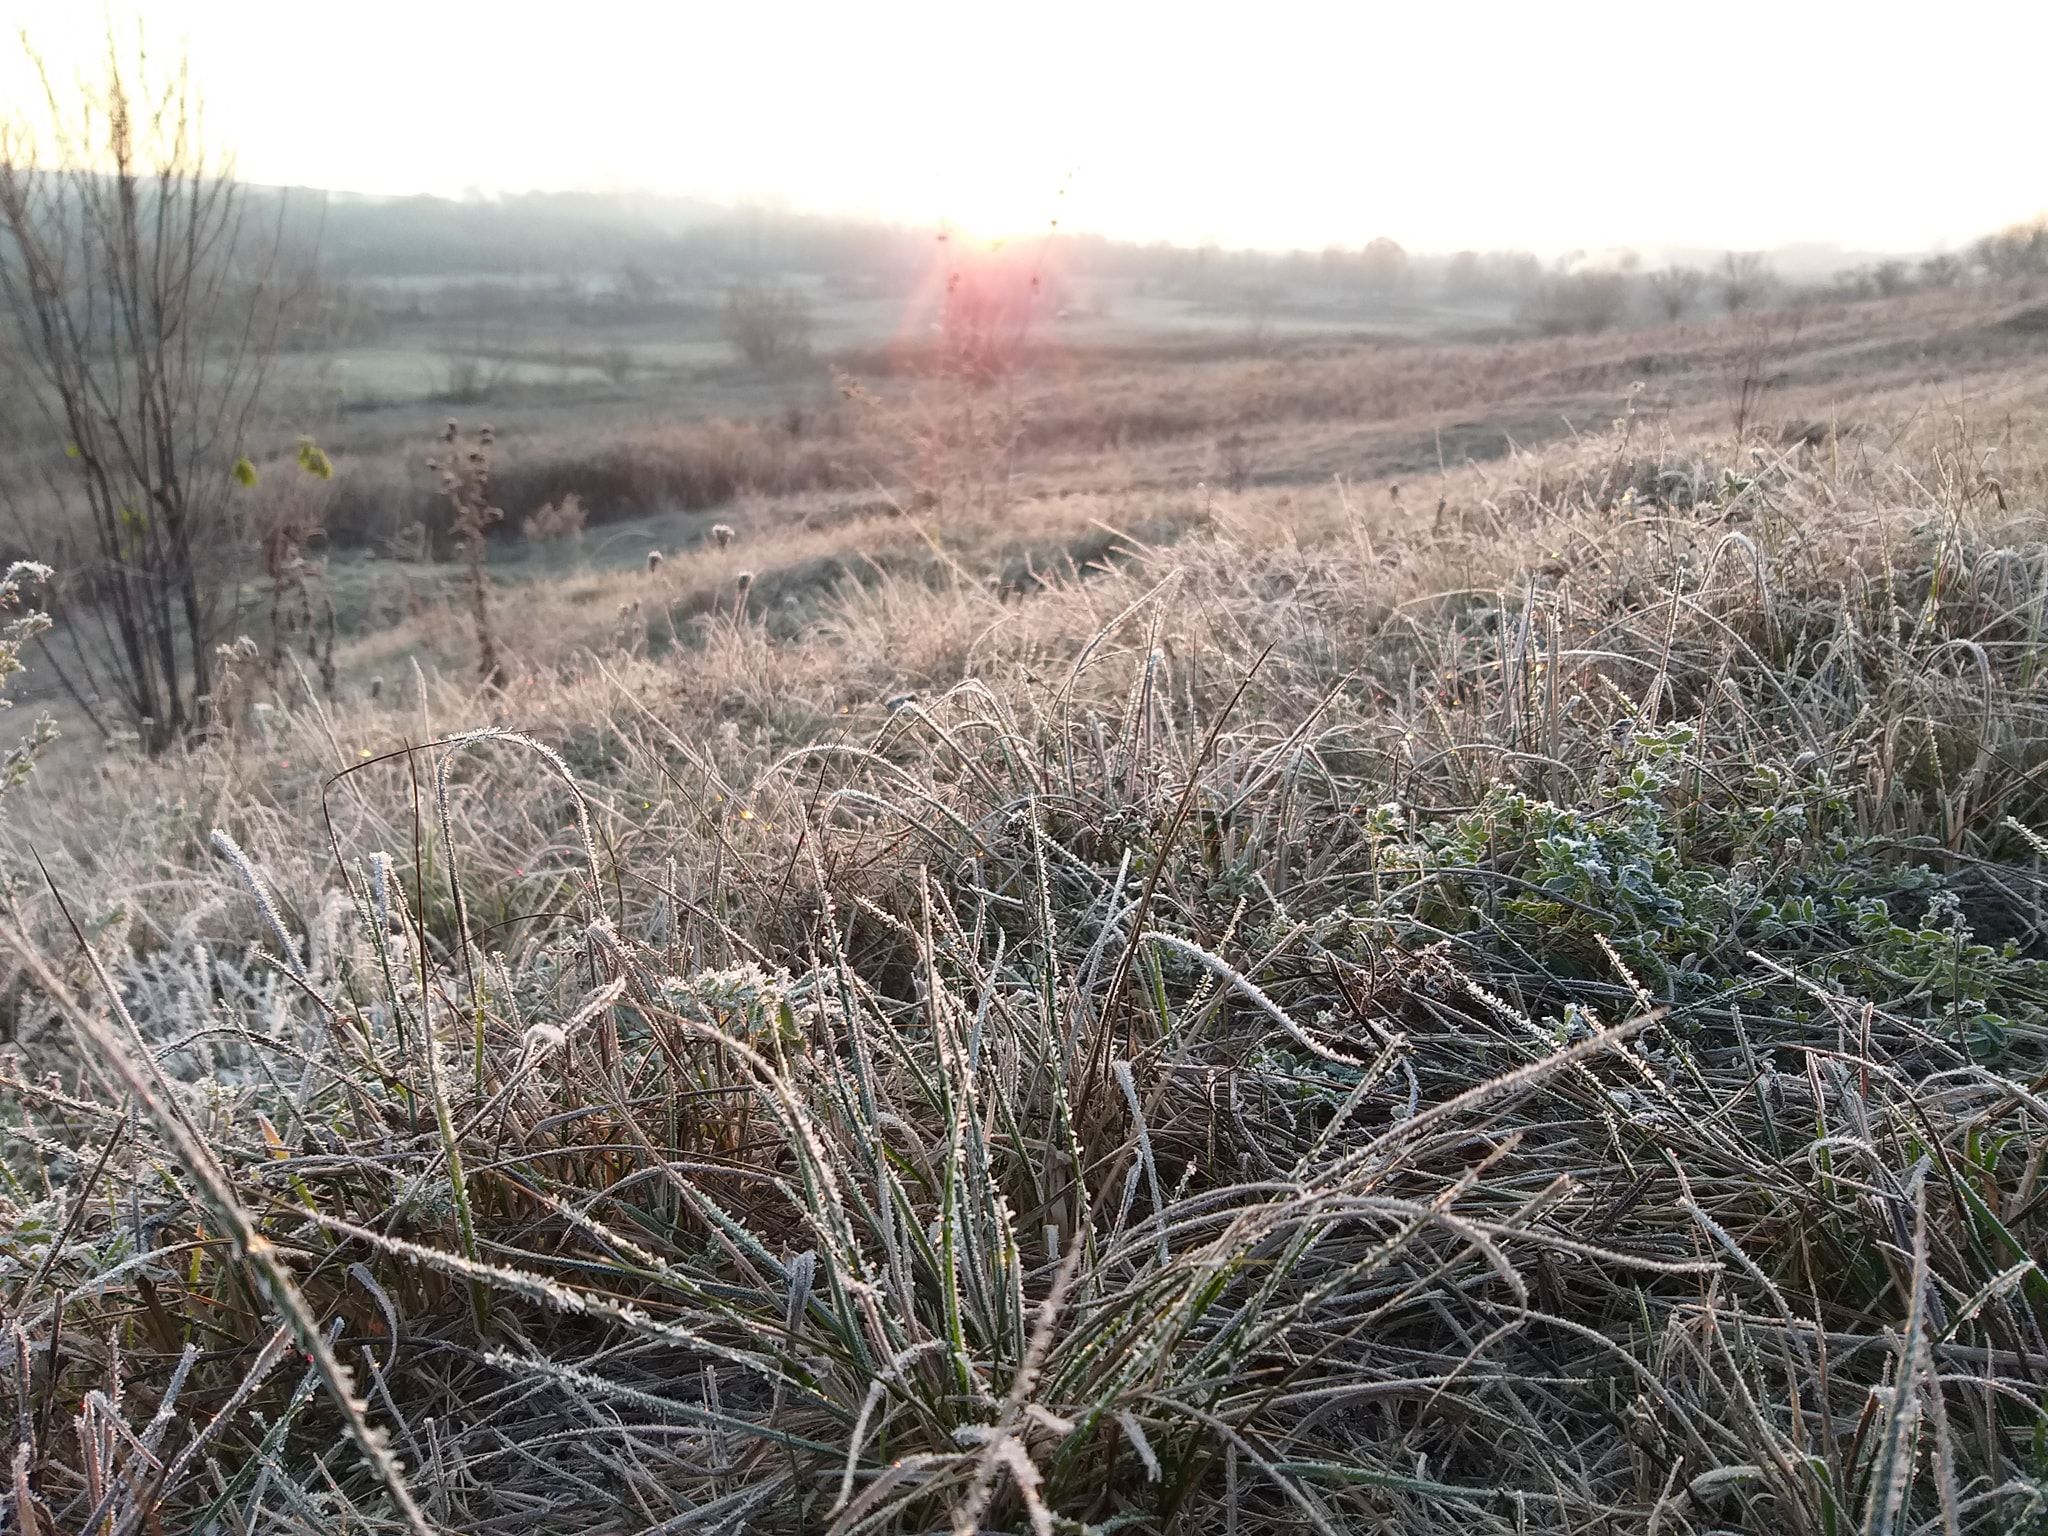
(1527, 1012)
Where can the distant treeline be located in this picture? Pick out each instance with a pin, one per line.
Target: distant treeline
(643, 250)
(677, 239)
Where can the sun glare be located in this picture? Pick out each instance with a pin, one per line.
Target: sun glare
(989, 236)
(1006, 210)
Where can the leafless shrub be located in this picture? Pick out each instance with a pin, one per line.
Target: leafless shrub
(1675, 289)
(768, 323)
(1747, 373)
(474, 366)
(1942, 271)
(1744, 278)
(1576, 303)
(1234, 460)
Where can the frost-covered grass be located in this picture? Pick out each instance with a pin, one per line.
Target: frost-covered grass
(1528, 1015)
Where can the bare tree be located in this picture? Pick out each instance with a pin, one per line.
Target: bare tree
(1385, 265)
(1942, 271)
(2018, 251)
(1675, 288)
(1744, 277)
(1463, 275)
(146, 306)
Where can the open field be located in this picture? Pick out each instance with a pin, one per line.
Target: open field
(1328, 936)
(859, 441)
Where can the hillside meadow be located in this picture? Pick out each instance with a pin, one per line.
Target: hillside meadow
(1350, 936)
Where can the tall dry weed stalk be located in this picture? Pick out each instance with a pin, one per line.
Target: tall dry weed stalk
(463, 468)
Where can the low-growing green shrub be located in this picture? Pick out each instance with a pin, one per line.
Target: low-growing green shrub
(1675, 890)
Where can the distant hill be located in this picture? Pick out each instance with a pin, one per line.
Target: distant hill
(540, 231)
(563, 232)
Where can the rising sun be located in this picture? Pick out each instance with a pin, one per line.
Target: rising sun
(990, 217)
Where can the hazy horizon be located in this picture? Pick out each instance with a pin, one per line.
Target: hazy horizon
(1607, 128)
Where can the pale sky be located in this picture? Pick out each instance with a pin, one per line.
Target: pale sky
(1546, 124)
